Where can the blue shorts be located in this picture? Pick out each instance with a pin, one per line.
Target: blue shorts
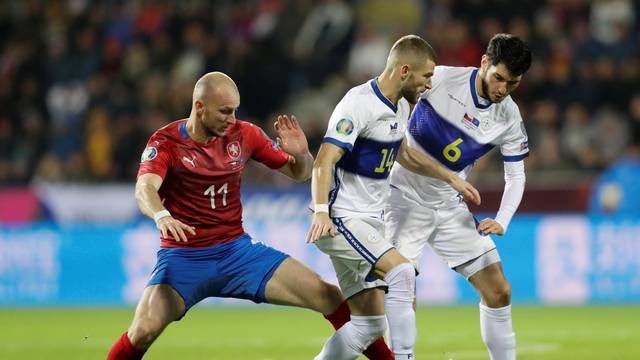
(237, 269)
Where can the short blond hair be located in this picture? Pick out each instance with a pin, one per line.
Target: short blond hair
(411, 48)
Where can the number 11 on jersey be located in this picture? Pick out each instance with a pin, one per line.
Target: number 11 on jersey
(211, 191)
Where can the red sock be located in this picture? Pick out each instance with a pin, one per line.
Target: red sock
(341, 316)
(376, 351)
(124, 350)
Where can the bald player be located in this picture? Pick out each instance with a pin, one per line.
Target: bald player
(189, 184)
(350, 186)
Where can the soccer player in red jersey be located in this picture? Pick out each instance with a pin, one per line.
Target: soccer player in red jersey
(189, 183)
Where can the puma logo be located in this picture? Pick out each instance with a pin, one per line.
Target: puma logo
(191, 161)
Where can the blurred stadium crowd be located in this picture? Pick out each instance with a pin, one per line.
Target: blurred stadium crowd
(84, 83)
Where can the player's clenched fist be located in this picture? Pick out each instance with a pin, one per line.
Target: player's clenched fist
(176, 228)
(320, 226)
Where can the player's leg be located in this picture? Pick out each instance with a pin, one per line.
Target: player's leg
(475, 257)
(353, 252)
(295, 284)
(495, 312)
(400, 276)
(408, 226)
(158, 307)
(368, 323)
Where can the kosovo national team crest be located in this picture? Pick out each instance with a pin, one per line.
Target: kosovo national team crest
(149, 154)
(344, 127)
(234, 150)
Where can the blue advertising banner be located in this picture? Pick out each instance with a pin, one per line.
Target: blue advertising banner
(553, 259)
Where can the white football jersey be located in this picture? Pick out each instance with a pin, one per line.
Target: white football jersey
(455, 126)
(371, 129)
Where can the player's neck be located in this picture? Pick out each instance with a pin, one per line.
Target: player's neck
(479, 89)
(388, 87)
(197, 132)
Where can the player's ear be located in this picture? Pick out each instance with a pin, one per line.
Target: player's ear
(199, 106)
(484, 62)
(404, 71)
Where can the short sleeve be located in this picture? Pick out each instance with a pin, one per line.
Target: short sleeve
(157, 156)
(515, 146)
(265, 150)
(346, 122)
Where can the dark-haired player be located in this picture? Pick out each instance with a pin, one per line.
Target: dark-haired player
(466, 113)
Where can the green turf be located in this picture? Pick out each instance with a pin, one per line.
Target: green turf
(287, 333)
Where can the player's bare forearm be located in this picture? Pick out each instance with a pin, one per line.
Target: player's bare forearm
(321, 224)
(418, 163)
(147, 197)
(301, 166)
(328, 156)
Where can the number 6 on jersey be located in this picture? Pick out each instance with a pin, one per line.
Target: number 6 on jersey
(452, 152)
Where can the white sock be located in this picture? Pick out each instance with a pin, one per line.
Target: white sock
(399, 307)
(353, 338)
(497, 332)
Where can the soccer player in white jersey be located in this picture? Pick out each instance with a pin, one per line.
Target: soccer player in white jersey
(466, 113)
(350, 186)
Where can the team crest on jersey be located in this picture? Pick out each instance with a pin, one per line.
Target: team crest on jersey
(149, 154)
(524, 145)
(344, 127)
(234, 150)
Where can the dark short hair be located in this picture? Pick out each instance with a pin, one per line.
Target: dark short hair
(511, 51)
(414, 45)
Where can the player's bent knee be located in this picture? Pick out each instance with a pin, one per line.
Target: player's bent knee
(143, 333)
(332, 292)
(401, 281)
(327, 299)
(504, 294)
(499, 295)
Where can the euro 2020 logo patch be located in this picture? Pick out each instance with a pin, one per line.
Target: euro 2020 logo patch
(234, 150)
(344, 127)
(149, 154)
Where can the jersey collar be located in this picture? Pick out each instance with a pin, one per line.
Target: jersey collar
(474, 94)
(183, 130)
(376, 89)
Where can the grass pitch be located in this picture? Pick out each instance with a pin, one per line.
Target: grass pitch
(270, 333)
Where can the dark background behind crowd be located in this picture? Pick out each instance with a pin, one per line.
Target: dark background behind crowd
(84, 83)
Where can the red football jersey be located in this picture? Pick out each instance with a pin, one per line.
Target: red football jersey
(201, 185)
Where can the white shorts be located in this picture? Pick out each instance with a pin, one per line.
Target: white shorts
(451, 232)
(354, 251)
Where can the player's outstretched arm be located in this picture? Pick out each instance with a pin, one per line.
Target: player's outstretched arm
(321, 225)
(150, 204)
(422, 165)
(293, 141)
